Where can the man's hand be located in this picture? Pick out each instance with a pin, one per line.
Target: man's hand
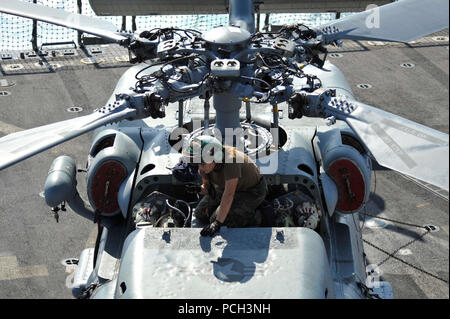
(211, 229)
(203, 189)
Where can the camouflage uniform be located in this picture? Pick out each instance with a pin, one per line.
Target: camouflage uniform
(242, 211)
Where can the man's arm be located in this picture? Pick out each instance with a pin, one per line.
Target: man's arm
(224, 208)
(227, 199)
(204, 187)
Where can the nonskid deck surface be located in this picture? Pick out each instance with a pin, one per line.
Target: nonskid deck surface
(35, 249)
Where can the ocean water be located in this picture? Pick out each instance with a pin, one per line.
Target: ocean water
(16, 32)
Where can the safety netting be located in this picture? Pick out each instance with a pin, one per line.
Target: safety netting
(16, 33)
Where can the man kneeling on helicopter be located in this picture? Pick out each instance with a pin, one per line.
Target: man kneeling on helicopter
(231, 182)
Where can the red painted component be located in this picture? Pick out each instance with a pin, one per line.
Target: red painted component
(350, 183)
(105, 186)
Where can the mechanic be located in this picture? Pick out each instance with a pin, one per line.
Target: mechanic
(232, 185)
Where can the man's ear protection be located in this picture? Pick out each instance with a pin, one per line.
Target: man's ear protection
(212, 151)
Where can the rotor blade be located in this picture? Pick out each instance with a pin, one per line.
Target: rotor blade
(401, 21)
(402, 145)
(22, 145)
(101, 28)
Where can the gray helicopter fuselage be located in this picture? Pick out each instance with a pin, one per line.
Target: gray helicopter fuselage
(311, 139)
(268, 262)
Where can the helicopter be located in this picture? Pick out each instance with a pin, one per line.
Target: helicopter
(317, 162)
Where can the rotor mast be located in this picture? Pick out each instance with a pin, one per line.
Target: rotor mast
(241, 14)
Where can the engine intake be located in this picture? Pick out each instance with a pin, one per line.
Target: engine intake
(108, 168)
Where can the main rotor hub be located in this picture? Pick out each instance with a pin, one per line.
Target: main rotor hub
(227, 35)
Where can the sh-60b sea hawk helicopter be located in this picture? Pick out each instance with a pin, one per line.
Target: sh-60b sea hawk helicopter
(317, 161)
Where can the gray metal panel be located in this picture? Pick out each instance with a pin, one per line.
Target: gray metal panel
(86, 24)
(330, 191)
(402, 21)
(157, 151)
(296, 151)
(239, 263)
(148, 7)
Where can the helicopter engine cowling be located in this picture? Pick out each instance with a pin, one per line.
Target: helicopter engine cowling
(113, 156)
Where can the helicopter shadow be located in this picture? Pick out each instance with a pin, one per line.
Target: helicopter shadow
(244, 248)
(374, 207)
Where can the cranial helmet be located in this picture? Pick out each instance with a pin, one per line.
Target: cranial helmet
(203, 149)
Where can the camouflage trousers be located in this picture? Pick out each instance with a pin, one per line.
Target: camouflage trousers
(242, 211)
